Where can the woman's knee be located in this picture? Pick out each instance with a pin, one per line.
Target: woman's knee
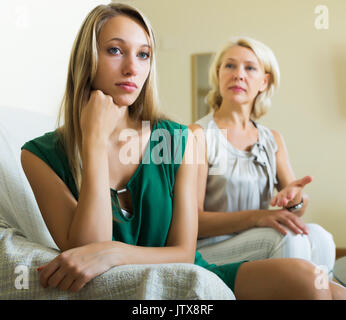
(322, 246)
(319, 234)
(274, 244)
(281, 279)
(311, 281)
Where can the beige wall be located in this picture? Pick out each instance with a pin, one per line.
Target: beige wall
(310, 107)
(36, 40)
(309, 110)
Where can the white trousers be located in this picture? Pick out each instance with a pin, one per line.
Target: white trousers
(317, 247)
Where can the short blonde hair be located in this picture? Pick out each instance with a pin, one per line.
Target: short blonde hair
(267, 58)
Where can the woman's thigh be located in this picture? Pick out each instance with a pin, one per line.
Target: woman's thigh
(252, 244)
(266, 243)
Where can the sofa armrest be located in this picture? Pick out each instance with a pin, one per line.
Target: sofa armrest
(19, 259)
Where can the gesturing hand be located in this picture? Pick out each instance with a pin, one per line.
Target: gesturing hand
(73, 268)
(291, 194)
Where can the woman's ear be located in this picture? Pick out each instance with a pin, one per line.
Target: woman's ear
(265, 82)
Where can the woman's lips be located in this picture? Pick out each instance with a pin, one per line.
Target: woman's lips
(237, 89)
(127, 86)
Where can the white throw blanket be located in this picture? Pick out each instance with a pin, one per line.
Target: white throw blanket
(19, 258)
(18, 206)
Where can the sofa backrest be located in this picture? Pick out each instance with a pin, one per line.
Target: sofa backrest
(18, 207)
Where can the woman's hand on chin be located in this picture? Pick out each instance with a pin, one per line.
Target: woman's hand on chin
(99, 117)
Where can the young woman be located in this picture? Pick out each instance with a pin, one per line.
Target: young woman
(113, 191)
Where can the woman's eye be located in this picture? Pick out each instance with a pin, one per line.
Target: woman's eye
(114, 50)
(144, 55)
(251, 68)
(230, 65)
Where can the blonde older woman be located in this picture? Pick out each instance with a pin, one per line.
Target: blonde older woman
(244, 163)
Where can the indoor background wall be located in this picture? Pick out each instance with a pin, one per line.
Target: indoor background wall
(309, 110)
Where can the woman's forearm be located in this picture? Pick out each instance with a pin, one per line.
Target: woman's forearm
(211, 224)
(92, 221)
(84, 263)
(122, 254)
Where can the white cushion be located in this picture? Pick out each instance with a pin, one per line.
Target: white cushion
(18, 206)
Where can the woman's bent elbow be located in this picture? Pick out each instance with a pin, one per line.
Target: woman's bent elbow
(191, 255)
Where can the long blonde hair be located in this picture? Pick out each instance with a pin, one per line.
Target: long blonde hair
(81, 72)
(265, 55)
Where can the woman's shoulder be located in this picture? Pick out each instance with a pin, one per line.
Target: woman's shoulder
(173, 132)
(204, 121)
(270, 137)
(278, 138)
(276, 134)
(51, 135)
(43, 144)
(49, 149)
(177, 138)
(170, 125)
(265, 131)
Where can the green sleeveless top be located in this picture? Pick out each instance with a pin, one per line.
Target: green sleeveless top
(151, 189)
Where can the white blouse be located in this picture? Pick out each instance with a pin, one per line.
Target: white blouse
(237, 180)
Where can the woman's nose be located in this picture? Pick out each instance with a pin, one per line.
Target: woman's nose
(239, 73)
(130, 67)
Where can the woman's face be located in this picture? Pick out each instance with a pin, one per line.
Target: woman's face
(124, 60)
(241, 76)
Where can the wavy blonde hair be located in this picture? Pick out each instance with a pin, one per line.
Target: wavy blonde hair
(266, 57)
(81, 72)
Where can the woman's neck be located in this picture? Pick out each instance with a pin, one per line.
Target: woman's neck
(124, 122)
(237, 116)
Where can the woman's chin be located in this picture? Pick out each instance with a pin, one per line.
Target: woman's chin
(123, 101)
(236, 101)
